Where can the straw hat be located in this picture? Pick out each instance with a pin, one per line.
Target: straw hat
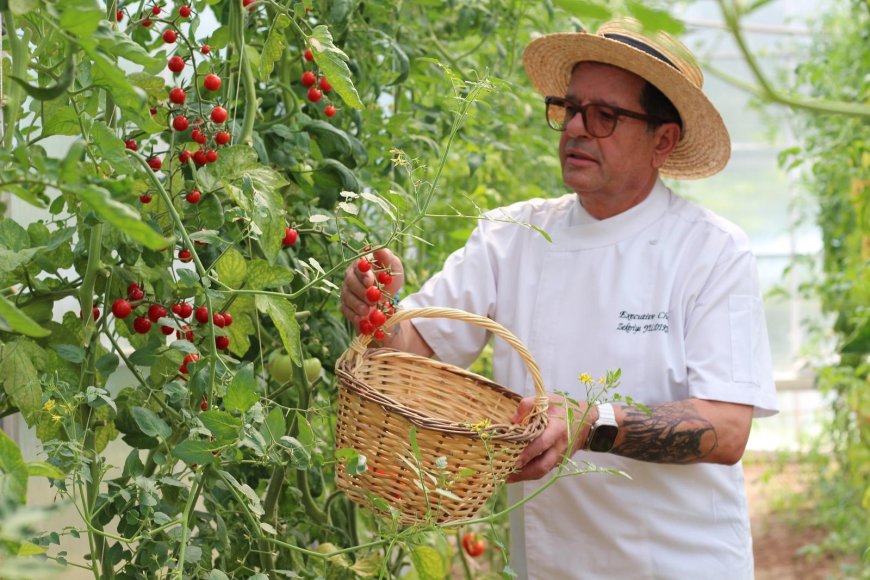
(662, 60)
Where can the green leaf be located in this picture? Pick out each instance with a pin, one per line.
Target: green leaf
(111, 147)
(355, 463)
(130, 98)
(192, 451)
(654, 19)
(253, 500)
(150, 423)
(261, 275)
(80, 18)
(283, 315)
(14, 320)
(299, 456)
(120, 215)
(333, 64)
(70, 352)
(60, 119)
(585, 9)
(222, 425)
(274, 426)
(13, 471)
(19, 375)
(333, 142)
(242, 392)
(428, 563)
(44, 469)
(274, 46)
(9, 260)
(342, 176)
(232, 268)
(121, 45)
(22, 7)
(306, 433)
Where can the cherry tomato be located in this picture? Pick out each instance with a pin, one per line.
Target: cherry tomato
(473, 544)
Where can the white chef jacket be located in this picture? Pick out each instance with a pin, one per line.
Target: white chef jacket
(667, 292)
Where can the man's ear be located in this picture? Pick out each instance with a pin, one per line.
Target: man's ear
(666, 138)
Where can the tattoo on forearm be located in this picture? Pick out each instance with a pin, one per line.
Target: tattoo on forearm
(670, 433)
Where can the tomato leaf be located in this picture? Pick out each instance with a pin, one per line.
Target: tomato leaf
(13, 471)
(193, 451)
(333, 64)
(44, 469)
(283, 315)
(150, 423)
(20, 377)
(299, 456)
(585, 9)
(119, 215)
(261, 275)
(274, 46)
(222, 425)
(232, 268)
(242, 392)
(654, 19)
(111, 147)
(253, 500)
(428, 563)
(14, 320)
(274, 426)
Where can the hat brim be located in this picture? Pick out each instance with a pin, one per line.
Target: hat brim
(705, 146)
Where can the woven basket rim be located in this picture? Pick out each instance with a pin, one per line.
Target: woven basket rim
(497, 431)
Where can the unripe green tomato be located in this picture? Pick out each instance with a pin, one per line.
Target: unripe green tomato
(312, 368)
(281, 368)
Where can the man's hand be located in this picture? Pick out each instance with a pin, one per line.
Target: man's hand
(548, 449)
(354, 304)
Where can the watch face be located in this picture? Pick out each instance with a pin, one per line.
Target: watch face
(603, 437)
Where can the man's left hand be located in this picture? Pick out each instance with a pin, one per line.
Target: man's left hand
(548, 449)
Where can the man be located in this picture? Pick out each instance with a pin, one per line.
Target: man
(635, 278)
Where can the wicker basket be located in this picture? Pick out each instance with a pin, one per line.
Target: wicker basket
(458, 416)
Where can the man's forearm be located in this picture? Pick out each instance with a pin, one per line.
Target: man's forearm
(683, 432)
(404, 337)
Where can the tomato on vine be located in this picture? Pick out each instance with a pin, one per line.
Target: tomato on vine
(198, 136)
(177, 96)
(290, 237)
(329, 111)
(308, 55)
(193, 197)
(180, 123)
(211, 156)
(218, 115)
(188, 358)
(324, 85)
(314, 95)
(155, 163)
(156, 312)
(373, 293)
(222, 137)
(142, 325)
(131, 145)
(185, 255)
(205, 49)
(377, 318)
(145, 198)
(473, 544)
(211, 82)
(121, 308)
(184, 11)
(175, 64)
(201, 314)
(363, 265)
(169, 36)
(308, 78)
(222, 342)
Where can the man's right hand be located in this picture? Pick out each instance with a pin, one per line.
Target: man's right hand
(354, 304)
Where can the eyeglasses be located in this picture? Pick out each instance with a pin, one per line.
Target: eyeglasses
(600, 120)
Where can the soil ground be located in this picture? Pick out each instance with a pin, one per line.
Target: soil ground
(783, 541)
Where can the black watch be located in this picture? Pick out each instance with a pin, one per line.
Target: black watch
(602, 434)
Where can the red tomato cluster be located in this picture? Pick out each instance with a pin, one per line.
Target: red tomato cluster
(382, 303)
(317, 87)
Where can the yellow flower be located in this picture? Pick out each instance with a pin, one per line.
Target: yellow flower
(586, 378)
(49, 405)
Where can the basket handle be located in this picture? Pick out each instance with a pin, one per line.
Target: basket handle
(541, 400)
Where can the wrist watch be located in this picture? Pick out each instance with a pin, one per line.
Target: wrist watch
(603, 432)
